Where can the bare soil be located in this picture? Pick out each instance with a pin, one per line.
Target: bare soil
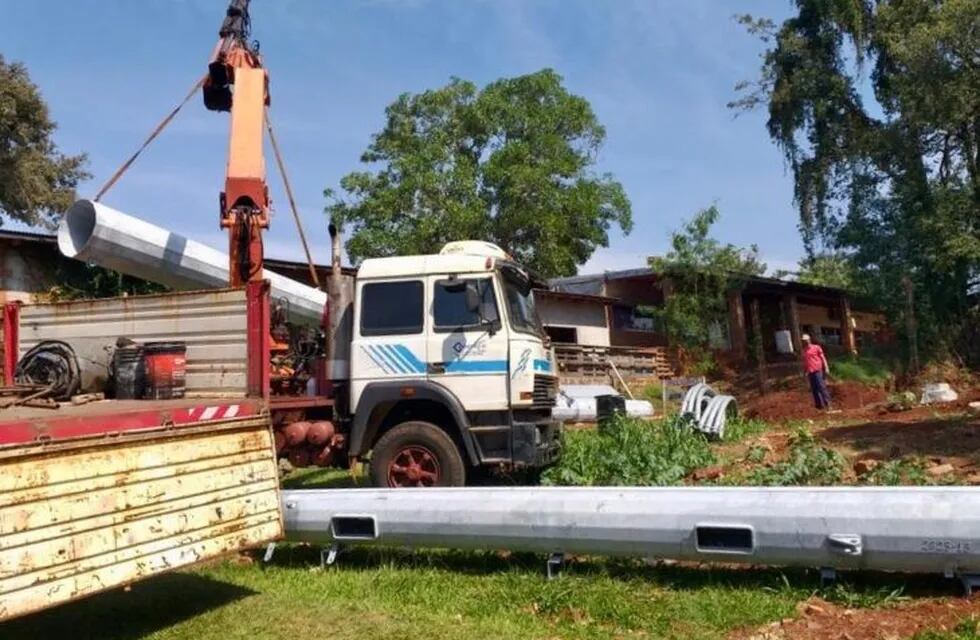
(797, 403)
(822, 620)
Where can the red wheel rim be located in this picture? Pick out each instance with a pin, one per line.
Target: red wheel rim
(413, 466)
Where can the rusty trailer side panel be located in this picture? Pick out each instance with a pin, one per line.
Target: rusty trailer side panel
(80, 517)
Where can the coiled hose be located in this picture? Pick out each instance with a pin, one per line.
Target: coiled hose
(51, 364)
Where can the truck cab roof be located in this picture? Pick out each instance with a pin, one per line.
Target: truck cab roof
(469, 256)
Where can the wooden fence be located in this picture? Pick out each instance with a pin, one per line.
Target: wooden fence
(582, 364)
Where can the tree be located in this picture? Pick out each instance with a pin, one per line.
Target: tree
(509, 163)
(37, 182)
(894, 186)
(826, 269)
(701, 271)
(77, 280)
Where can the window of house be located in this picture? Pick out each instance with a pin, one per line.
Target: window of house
(391, 308)
(564, 335)
(830, 335)
(449, 305)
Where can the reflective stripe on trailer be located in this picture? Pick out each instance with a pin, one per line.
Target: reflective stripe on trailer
(63, 424)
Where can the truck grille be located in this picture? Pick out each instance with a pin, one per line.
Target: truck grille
(545, 391)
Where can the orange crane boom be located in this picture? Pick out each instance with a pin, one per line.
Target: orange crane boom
(238, 83)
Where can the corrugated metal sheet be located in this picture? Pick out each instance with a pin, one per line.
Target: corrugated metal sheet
(212, 323)
(76, 519)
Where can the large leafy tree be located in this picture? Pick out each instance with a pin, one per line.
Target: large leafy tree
(701, 272)
(37, 182)
(876, 105)
(510, 163)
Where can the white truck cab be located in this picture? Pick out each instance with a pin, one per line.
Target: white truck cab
(450, 369)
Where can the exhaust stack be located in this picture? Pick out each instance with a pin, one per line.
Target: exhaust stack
(340, 292)
(94, 233)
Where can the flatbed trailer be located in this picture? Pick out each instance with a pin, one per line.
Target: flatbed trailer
(99, 495)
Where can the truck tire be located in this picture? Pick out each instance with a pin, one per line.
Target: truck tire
(417, 454)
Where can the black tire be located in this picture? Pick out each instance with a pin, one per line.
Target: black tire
(436, 458)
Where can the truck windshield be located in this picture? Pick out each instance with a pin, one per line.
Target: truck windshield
(520, 304)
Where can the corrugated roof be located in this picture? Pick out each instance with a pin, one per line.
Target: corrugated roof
(28, 236)
(580, 284)
(578, 297)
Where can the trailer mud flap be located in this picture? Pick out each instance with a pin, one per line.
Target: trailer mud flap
(81, 517)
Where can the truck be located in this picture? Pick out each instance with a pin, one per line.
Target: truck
(433, 368)
(450, 368)
(450, 375)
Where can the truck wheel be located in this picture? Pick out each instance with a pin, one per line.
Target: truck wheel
(417, 454)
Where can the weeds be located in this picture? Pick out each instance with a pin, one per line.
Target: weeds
(739, 428)
(808, 464)
(968, 629)
(907, 471)
(627, 451)
(849, 596)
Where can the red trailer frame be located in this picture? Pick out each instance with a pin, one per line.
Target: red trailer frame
(44, 425)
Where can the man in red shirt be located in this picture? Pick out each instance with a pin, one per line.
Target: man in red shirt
(816, 369)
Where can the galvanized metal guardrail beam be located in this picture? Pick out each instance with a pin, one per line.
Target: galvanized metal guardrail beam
(909, 529)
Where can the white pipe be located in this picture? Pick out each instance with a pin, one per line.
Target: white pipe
(95, 233)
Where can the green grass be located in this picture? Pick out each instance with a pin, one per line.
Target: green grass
(966, 630)
(382, 593)
(740, 428)
(865, 369)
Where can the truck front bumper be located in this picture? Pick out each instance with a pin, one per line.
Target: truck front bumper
(536, 444)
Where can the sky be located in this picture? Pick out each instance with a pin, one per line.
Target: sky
(658, 74)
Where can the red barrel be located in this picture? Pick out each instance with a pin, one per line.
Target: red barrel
(166, 370)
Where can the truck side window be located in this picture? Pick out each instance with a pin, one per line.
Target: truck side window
(391, 308)
(449, 305)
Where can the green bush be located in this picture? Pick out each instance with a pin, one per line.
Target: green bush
(808, 464)
(866, 369)
(630, 452)
(902, 401)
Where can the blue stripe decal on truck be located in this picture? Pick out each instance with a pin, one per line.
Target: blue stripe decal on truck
(381, 355)
(417, 365)
(398, 359)
(476, 366)
(394, 356)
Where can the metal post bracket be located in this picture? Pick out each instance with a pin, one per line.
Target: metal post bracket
(555, 565)
(329, 556)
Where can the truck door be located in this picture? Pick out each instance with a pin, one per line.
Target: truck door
(468, 349)
(389, 337)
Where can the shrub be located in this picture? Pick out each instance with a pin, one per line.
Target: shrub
(865, 369)
(902, 401)
(808, 464)
(630, 452)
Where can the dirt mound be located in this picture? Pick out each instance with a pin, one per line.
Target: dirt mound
(797, 403)
(821, 620)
